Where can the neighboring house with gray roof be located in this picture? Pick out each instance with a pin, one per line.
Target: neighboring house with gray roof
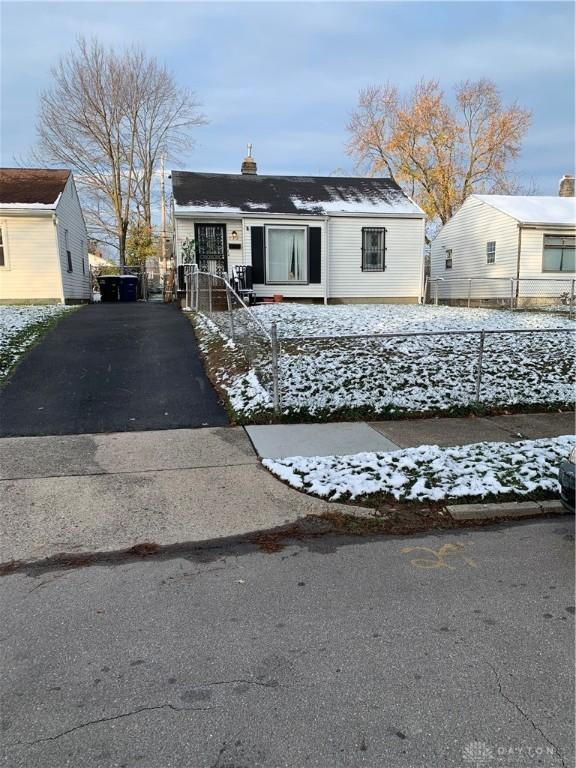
(306, 237)
(43, 238)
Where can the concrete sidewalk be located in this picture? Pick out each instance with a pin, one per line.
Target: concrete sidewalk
(104, 492)
(278, 441)
(91, 493)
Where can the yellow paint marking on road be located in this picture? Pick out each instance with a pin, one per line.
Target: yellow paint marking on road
(438, 557)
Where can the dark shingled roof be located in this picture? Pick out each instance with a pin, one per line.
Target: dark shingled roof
(301, 195)
(31, 185)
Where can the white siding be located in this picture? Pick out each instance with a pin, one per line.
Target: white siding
(467, 234)
(532, 252)
(32, 269)
(402, 278)
(76, 283)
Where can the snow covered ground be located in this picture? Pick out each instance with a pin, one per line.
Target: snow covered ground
(430, 472)
(320, 376)
(20, 326)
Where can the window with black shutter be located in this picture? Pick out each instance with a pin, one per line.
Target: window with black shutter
(373, 249)
(257, 243)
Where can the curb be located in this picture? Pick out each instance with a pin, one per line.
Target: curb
(511, 509)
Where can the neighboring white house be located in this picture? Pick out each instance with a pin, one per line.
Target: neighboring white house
(43, 238)
(306, 237)
(525, 239)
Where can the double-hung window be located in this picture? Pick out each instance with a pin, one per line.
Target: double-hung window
(491, 252)
(67, 249)
(286, 254)
(2, 249)
(559, 253)
(373, 249)
(448, 261)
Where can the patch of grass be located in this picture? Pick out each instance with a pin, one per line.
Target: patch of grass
(13, 351)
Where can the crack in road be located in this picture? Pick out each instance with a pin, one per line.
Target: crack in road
(131, 713)
(524, 714)
(122, 715)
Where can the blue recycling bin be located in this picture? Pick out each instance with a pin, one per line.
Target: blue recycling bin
(128, 288)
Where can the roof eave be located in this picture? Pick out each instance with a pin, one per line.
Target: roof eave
(191, 212)
(48, 210)
(546, 225)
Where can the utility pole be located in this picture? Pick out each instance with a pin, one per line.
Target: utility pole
(162, 217)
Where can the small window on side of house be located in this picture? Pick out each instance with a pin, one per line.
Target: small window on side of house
(559, 253)
(2, 252)
(373, 249)
(68, 252)
(448, 262)
(491, 252)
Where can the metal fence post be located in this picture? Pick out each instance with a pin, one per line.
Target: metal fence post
(210, 295)
(571, 312)
(479, 367)
(275, 372)
(511, 293)
(469, 291)
(426, 279)
(230, 312)
(436, 293)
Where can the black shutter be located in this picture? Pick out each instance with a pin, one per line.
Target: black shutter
(314, 254)
(257, 234)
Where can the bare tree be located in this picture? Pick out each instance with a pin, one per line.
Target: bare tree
(108, 116)
(438, 153)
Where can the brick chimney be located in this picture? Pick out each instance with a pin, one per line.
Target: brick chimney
(566, 188)
(249, 168)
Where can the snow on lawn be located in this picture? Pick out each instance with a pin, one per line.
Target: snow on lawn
(430, 472)
(20, 326)
(315, 320)
(244, 390)
(411, 374)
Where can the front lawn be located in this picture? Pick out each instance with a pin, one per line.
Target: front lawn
(331, 376)
(22, 326)
(526, 469)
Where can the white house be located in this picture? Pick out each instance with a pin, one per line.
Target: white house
(306, 237)
(520, 240)
(43, 238)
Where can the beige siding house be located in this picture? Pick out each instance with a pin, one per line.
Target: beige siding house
(309, 238)
(505, 243)
(43, 238)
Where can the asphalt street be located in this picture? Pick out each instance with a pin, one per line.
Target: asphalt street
(443, 650)
(111, 368)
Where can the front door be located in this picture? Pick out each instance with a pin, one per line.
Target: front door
(211, 248)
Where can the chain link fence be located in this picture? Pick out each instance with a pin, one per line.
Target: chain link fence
(423, 371)
(214, 297)
(388, 372)
(532, 294)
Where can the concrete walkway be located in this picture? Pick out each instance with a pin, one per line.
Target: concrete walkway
(88, 493)
(91, 493)
(340, 439)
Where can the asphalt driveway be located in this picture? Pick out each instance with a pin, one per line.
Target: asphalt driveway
(111, 368)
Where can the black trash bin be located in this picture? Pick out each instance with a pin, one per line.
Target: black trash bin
(109, 287)
(128, 288)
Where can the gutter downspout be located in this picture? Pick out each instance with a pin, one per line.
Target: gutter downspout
(59, 256)
(326, 259)
(518, 260)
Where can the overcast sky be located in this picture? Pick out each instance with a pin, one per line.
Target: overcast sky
(285, 76)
